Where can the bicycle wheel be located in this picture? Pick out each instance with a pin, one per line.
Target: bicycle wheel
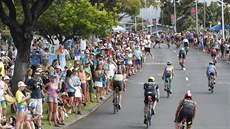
(115, 108)
(212, 84)
(168, 94)
(167, 90)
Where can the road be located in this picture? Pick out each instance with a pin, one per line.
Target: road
(213, 110)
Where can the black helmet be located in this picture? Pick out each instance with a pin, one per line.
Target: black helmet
(169, 63)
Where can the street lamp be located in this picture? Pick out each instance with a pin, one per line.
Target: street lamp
(222, 15)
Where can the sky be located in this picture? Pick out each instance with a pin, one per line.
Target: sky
(150, 13)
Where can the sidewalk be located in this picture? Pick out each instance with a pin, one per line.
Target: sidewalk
(84, 113)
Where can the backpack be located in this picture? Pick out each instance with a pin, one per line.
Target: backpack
(150, 89)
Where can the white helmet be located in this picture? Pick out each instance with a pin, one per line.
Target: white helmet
(185, 40)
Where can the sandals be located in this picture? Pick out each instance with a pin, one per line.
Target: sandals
(56, 125)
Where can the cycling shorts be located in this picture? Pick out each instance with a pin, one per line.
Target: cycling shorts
(211, 74)
(117, 84)
(153, 98)
(185, 113)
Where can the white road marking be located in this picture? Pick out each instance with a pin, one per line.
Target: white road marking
(155, 63)
(159, 74)
(174, 50)
(186, 78)
(177, 55)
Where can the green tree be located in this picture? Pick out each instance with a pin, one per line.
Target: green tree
(68, 18)
(22, 30)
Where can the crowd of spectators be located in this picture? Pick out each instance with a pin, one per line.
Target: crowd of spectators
(86, 77)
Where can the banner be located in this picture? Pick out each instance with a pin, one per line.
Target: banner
(62, 60)
(51, 58)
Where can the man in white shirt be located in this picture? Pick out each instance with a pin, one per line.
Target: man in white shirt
(148, 47)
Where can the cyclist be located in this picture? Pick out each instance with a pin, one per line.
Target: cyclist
(182, 55)
(211, 70)
(185, 110)
(213, 55)
(151, 89)
(168, 75)
(118, 81)
(186, 45)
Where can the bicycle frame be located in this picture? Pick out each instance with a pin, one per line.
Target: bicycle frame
(181, 62)
(211, 82)
(149, 113)
(183, 123)
(116, 104)
(167, 84)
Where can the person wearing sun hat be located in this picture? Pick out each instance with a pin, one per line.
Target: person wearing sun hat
(2, 97)
(21, 103)
(9, 97)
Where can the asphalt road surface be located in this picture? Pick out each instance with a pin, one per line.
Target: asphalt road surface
(213, 110)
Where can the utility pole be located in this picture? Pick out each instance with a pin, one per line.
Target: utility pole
(175, 16)
(196, 17)
(222, 9)
(135, 23)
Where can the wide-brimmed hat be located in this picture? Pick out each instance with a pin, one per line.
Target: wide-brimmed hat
(21, 83)
(6, 78)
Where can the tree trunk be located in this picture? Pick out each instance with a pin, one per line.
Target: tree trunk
(22, 44)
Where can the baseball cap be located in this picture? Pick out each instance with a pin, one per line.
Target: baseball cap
(20, 84)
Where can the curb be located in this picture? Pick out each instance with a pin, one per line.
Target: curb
(84, 114)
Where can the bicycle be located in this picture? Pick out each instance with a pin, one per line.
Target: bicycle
(211, 83)
(116, 104)
(183, 123)
(149, 113)
(181, 62)
(167, 84)
(186, 49)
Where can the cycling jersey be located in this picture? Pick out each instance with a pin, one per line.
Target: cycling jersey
(186, 110)
(211, 69)
(118, 77)
(168, 72)
(151, 89)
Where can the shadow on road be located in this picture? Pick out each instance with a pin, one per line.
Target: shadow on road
(201, 92)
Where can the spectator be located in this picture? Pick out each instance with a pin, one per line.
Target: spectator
(2, 67)
(21, 105)
(2, 98)
(52, 99)
(98, 81)
(71, 89)
(77, 87)
(82, 76)
(35, 59)
(89, 83)
(35, 85)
